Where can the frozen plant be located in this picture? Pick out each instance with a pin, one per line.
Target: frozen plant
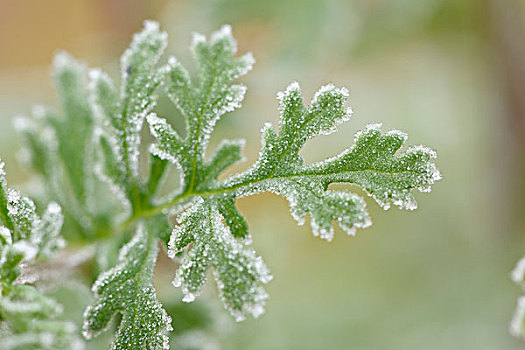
(28, 316)
(95, 146)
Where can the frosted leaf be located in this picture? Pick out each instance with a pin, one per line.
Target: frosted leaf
(371, 163)
(157, 174)
(348, 210)
(41, 150)
(128, 289)
(111, 169)
(232, 217)
(518, 272)
(124, 114)
(22, 225)
(48, 230)
(60, 146)
(39, 232)
(202, 103)
(34, 327)
(170, 147)
(517, 325)
(5, 236)
(212, 234)
(228, 153)
(22, 212)
(24, 232)
(238, 271)
(28, 314)
(5, 216)
(26, 249)
(103, 96)
(75, 130)
(139, 80)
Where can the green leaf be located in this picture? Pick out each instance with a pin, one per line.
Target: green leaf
(124, 114)
(101, 133)
(47, 231)
(18, 212)
(371, 163)
(202, 103)
(61, 146)
(11, 256)
(157, 174)
(238, 271)
(75, 132)
(232, 217)
(27, 316)
(374, 165)
(41, 147)
(22, 223)
(4, 212)
(170, 146)
(22, 212)
(128, 289)
(228, 153)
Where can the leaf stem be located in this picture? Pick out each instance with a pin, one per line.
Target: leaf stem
(243, 180)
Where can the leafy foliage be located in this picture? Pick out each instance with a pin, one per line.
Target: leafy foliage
(97, 142)
(123, 117)
(61, 148)
(128, 289)
(236, 268)
(371, 163)
(27, 316)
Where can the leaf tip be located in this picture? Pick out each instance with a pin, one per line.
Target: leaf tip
(518, 272)
(224, 32)
(516, 328)
(62, 59)
(151, 25)
(196, 39)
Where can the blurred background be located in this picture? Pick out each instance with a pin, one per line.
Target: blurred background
(451, 73)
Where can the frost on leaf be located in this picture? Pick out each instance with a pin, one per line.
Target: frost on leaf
(128, 289)
(212, 230)
(28, 315)
(123, 114)
(75, 132)
(59, 146)
(238, 271)
(33, 325)
(100, 135)
(202, 102)
(372, 163)
(22, 226)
